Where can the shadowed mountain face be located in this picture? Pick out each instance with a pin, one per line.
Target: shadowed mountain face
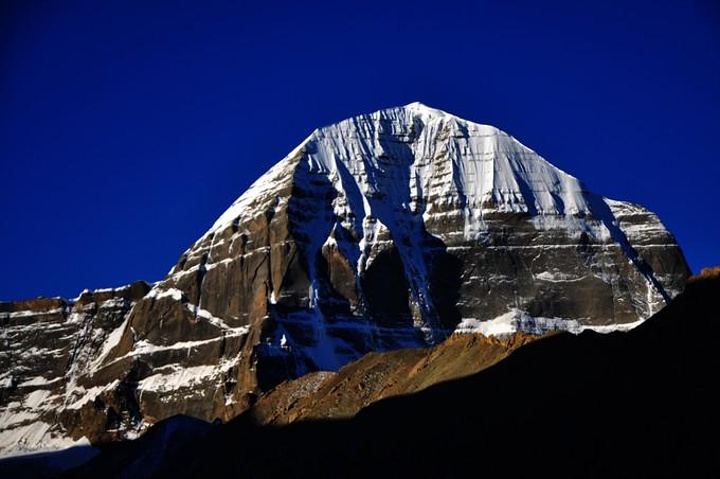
(637, 404)
(384, 231)
(389, 230)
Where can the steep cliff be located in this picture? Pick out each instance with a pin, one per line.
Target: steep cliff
(389, 230)
(47, 344)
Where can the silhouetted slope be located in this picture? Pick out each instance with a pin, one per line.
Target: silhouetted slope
(637, 404)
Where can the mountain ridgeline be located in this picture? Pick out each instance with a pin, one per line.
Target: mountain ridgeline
(390, 230)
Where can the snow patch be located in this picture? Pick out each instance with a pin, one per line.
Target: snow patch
(112, 340)
(517, 320)
(29, 313)
(557, 277)
(88, 395)
(158, 293)
(34, 438)
(184, 377)
(38, 381)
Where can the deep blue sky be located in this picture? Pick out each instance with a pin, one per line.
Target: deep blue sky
(127, 127)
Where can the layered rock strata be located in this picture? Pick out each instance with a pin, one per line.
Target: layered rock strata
(389, 230)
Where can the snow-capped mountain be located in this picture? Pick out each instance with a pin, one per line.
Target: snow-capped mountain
(387, 230)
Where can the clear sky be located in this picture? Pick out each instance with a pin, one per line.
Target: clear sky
(127, 127)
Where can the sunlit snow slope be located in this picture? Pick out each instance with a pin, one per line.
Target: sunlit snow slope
(387, 230)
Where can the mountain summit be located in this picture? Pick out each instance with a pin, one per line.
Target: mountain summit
(421, 158)
(386, 230)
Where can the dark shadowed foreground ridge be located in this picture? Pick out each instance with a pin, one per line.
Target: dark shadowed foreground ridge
(636, 404)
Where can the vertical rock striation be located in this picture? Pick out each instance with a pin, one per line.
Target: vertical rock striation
(387, 230)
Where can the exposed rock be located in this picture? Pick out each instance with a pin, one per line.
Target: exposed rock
(706, 273)
(385, 231)
(377, 376)
(636, 404)
(47, 344)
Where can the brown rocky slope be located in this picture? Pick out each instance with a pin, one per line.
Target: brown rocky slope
(326, 395)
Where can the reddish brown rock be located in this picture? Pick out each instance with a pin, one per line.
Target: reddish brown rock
(386, 231)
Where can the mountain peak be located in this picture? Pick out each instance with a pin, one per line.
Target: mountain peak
(427, 114)
(425, 158)
(388, 230)
(413, 169)
(397, 228)
(417, 105)
(415, 110)
(424, 109)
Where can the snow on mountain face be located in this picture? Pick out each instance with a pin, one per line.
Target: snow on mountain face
(420, 158)
(47, 345)
(415, 170)
(387, 230)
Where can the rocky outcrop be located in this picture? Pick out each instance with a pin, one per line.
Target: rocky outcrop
(706, 274)
(47, 345)
(390, 230)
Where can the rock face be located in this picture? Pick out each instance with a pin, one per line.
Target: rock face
(47, 345)
(384, 231)
(636, 404)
